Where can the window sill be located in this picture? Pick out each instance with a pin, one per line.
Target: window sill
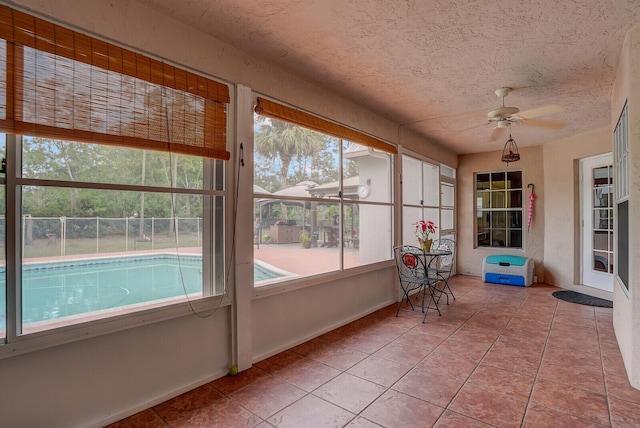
(63, 333)
(309, 281)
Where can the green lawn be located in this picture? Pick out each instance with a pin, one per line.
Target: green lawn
(53, 246)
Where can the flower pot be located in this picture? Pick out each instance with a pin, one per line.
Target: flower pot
(425, 245)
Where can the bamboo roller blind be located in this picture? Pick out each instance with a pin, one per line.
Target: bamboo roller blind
(287, 114)
(58, 83)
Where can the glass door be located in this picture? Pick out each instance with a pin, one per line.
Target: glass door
(597, 223)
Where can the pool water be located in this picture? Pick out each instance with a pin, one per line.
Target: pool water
(62, 289)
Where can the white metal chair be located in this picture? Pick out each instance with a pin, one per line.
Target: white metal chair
(443, 265)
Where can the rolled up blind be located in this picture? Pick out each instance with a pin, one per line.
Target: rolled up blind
(284, 113)
(58, 83)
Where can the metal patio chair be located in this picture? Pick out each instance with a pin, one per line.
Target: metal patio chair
(443, 265)
(413, 273)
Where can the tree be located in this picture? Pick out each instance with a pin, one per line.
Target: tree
(276, 140)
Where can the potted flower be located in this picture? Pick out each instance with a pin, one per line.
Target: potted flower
(423, 230)
(304, 238)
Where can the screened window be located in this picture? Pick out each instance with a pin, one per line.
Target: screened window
(321, 203)
(448, 198)
(91, 250)
(499, 209)
(621, 159)
(114, 164)
(428, 193)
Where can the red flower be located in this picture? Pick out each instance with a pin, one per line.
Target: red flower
(424, 229)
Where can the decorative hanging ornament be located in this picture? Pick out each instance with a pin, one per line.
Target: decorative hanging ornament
(510, 152)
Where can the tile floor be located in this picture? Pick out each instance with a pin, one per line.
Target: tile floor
(498, 356)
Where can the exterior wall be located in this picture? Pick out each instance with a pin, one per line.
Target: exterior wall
(626, 305)
(469, 260)
(112, 376)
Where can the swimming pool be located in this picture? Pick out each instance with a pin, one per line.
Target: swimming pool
(63, 289)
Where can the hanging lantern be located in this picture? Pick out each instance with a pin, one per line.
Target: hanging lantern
(510, 151)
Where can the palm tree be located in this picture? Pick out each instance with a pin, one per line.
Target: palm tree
(285, 141)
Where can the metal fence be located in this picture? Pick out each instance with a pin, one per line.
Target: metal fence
(60, 236)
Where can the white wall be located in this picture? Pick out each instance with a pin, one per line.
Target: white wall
(288, 319)
(626, 305)
(102, 379)
(108, 377)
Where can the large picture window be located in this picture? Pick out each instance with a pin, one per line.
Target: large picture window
(499, 209)
(321, 203)
(91, 250)
(114, 182)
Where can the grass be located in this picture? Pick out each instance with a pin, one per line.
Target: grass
(80, 246)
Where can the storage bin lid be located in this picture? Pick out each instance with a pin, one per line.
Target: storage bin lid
(504, 258)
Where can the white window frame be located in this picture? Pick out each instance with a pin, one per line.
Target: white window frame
(306, 281)
(215, 293)
(446, 176)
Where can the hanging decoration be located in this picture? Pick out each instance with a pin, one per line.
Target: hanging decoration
(532, 197)
(510, 152)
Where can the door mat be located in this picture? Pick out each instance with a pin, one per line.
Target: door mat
(582, 299)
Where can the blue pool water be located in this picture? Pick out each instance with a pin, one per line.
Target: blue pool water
(55, 290)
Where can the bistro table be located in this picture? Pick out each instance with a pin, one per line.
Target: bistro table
(416, 271)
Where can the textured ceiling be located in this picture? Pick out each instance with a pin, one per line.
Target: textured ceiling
(433, 65)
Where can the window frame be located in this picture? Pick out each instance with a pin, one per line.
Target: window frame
(342, 201)
(216, 244)
(506, 210)
(621, 205)
(16, 343)
(447, 177)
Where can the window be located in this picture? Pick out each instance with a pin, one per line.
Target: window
(428, 193)
(92, 250)
(321, 203)
(448, 198)
(499, 209)
(621, 160)
(115, 170)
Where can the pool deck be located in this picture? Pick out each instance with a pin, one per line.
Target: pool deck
(289, 257)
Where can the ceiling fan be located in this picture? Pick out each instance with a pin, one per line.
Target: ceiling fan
(504, 116)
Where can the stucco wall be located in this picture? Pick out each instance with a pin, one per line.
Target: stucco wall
(112, 376)
(470, 258)
(626, 305)
(554, 239)
(562, 208)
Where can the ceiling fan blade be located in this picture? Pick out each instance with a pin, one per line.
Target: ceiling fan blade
(548, 124)
(540, 111)
(497, 133)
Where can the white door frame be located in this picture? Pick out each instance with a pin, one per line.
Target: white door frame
(588, 275)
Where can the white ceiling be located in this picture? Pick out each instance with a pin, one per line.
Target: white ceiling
(433, 65)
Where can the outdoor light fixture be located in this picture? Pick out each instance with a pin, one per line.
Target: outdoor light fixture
(510, 151)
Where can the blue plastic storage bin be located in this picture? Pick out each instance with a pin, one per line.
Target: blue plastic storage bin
(507, 269)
